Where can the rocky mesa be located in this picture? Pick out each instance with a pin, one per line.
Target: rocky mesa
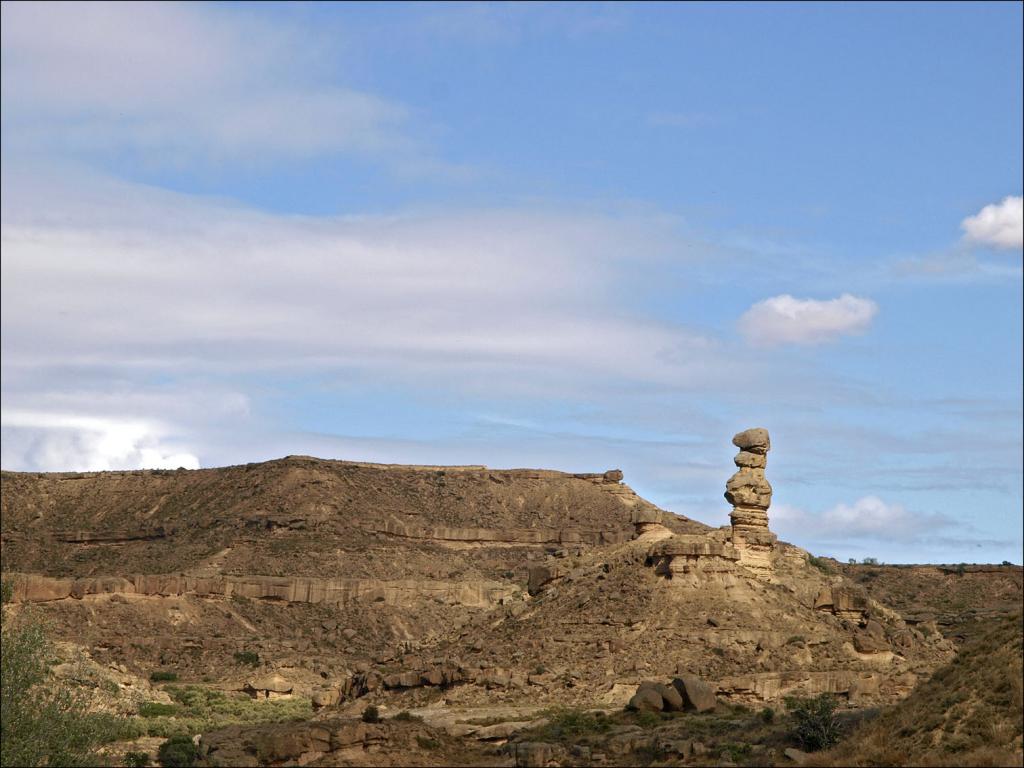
(449, 589)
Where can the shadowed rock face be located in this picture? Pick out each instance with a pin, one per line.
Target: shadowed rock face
(751, 494)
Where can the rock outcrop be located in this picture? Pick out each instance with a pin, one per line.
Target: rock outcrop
(33, 588)
(750, 495)
(695, 561)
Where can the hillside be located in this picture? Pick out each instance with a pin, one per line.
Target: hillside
(958, 598)
(970, 712)
(463, 594)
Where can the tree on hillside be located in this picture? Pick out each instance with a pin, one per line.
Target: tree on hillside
(43, 722)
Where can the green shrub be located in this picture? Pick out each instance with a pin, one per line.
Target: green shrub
(646, 719)
(821, 564)
(247, 657)
(177, 752)
(735, 752)
(816, 726)
(160, 676)
(767, 715)
(156, 709)
(200, 709)
(43, 721)
(564, 725)
(371, 714)
(406, 716)
(136, 760)
(426, 742)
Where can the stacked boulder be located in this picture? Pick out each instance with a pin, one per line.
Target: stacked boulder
(686, 692)
(750, 495)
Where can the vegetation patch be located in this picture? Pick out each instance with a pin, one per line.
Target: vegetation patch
(566, 725)
(405, 716)
(156, 709)
(249, 658)
(815, 723)
(177, 752)
(426, 742)
(44, 720)
(197, 709)
(821, 564)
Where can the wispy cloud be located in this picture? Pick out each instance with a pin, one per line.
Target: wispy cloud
(162, 280)
(186, 83)
(788, 320)
(1000, 225)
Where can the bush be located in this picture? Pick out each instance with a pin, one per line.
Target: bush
(201, 709)
(816, 726)
(177, 752)
(426, 742)
(163, 677)
(820, 563)
(571, 724)
(247, 657)
(136, 760)
(371, 714)
(767, 715)
(43, 721)
(156, 709)
(647, 719)
(405, 716)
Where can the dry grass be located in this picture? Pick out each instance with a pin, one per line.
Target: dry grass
(971, 711)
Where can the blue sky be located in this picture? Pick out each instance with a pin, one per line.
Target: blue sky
(564, 235)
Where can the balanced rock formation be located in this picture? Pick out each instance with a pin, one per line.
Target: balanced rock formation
(750, 495)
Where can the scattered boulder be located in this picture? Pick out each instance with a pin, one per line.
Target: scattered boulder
(797, 756)
(533, 754)
(865, 643)
(403, 680)
(646, 698)
(268, 687)
(695, 693)
(538, 576)
(671, 697)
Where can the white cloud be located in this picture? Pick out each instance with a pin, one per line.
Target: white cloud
(71, 442)
(182, 82)
(134, 277)
(868, 518)
(1000, 224)
(788, 320)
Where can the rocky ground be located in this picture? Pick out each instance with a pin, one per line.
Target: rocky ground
(492, 617)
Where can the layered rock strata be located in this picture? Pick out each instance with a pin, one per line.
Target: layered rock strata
(695, 561)
(750, 495)
(33, 588)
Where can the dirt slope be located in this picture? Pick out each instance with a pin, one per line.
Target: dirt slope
(970, 712)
